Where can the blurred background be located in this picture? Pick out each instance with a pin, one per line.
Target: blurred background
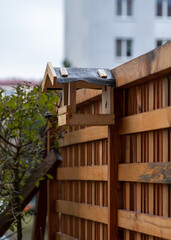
(80, 33)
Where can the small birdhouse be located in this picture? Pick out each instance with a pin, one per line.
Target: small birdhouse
(69, 80)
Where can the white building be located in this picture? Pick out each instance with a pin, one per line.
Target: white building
(107, 33)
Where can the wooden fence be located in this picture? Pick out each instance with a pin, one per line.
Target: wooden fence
(114, 182)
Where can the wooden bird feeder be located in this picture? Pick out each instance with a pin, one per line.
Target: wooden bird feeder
(69, 80)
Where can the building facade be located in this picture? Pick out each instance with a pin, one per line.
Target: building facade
(108, 33)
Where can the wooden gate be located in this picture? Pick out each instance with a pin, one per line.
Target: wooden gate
(114, 182)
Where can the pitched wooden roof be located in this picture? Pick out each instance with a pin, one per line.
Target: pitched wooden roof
(85, 77)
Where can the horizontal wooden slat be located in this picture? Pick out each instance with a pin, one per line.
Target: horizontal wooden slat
(148, 121)
(61, 236)
(146, 67)
(145, 223)
(84, 135)
(145, 172)
(87, 173)
(86, 119)
(90, 212)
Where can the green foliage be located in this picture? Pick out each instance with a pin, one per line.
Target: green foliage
(23, 127)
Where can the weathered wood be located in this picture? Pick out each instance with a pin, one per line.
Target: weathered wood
(61, 236)
(145, 223)
(90, 212)
(84, 135)
(148, 121)
(87, 173)
(145, 172)
(86, 119)
(144, 68)
(63, 72)
(48, 164)
(102, 73)
(39, 224)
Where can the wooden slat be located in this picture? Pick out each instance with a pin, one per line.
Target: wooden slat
(89, 212)
(64, 109)
(145, 172)
(84, 135)
(157, 119)
(145, 223)
(86, 119)
(61, 236)
(144, 68)
(87, 173)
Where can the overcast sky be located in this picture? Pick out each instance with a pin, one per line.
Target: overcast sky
(31, 34)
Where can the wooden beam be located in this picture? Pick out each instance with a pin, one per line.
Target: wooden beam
(145, 172)
(86, 119)
(148, 121)
(61, 236)
(145, 223)
(144, 68)
(64, 95)
(89, 212)
(84, 135)
(87, 173)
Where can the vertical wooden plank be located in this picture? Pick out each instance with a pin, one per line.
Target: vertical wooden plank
(101, 188)
(107, 100)
(64, 94)
(165, 150)
(41, 212)
(114, 158)
(151, 151)
(53, 216)
(86, 190)
(138, 185)
(93, 183)
(72, 96)
(79, 187)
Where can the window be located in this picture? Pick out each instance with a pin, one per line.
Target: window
(160, 42)
(163, 8)
(123, 47)
(124, 7)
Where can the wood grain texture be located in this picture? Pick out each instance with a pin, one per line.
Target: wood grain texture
(84, 135)
(145, 223)
(148, 121)
(144, 68)
(86, 119)
(145, 172)
(87, 173)
(85, 211)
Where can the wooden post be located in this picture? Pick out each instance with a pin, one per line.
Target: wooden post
(64, 94)
(115, 200)
(107, 100)
(41, 212)
(72, 96)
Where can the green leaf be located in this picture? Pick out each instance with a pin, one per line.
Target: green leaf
(56, 144)
(49, 176)
(21, 198)
(37, 183)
